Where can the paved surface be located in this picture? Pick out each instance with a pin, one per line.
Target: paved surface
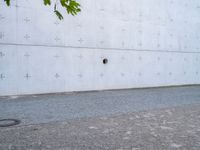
(62, 107)
(176, 128)
(145, 119)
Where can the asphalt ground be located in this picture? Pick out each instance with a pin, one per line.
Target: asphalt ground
(137, 119)
(35, 109)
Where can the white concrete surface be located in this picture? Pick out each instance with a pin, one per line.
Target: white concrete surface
(147, 43)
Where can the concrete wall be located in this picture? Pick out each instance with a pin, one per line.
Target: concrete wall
(147, 43)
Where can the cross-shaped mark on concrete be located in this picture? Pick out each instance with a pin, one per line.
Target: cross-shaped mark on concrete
(123, 44)
(57, 39)
(56, 56)
(27, 76)
(27, 20)
(56, 23)
(102, 42)
(79, 25)
(140, 44)
(2, 54)
(80, 40)
(27, 55)
(140, 31)
(1, 35)
(57, 75)
(80, 75)
(123, 30)
(101, 75)
(2, 17)
(2, 76)
(185, 47)
(102, 27)
(80, 56)
(27, 37)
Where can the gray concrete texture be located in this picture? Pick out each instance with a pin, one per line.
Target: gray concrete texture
(36, 109)
(135, 119)
(176, 128)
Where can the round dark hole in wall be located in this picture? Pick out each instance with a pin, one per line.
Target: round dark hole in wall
(9, 122)
(105, 61)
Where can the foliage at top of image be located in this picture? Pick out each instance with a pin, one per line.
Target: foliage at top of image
(71, 6)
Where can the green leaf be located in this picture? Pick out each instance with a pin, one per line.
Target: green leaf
(58, 14)
(7, 2)
(47, 2)
(72, 7)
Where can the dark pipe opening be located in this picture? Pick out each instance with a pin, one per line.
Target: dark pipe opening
(105, 61)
